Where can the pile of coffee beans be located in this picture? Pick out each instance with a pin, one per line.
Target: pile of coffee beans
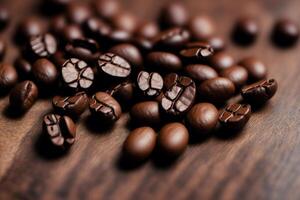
(174, 76)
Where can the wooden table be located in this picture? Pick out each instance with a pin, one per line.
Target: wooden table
(261, 163)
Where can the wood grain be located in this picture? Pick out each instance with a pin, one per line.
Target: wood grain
(261, 163)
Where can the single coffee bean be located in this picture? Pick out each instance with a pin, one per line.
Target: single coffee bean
(78, 12)
(57, 24)
(150, 84)
(174, 14)
(217, 43)
(23, 96)
(163, 62)
(61, 130)
(235, 116)
(107, 9)
(123, 92)
(198, 51)
(256, 68)
(216, 90)
(237, 74)
(146, 113)
(260, 92)
(43, 45)
(119, 36)
(71, 32)
(245, 31)
(105, 107)
(148, 30)
(8, 77)
(221, 61)
(202, 118)
(125, 21)
(96, 28)
(4, 17)
(30, 27)
(140, 143)
(77, 74)
(113, 66)
(143, 44)
(200, 73)
(201, 27)
(72, 106)
(173, 139)
(44, 72)
(285, 33)
(2, 48)
(23, 67)
(179, 95)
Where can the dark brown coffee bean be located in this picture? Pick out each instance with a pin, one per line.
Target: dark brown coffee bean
(146, 113)
(235, 116)
(163, 62)
(148, 30)
(221, 61)
(44, 72)
(179, 95)
(150, 84)
(256, 69)
(172, 39)
(173, 139)
(23, 96)
(4, 17)
(78, 12)
(2, 48)
(123, 92)
(216, 90)
(57, 24)
(202, 118)
(119, 36)
(30, 27)
(125, 21)
(73, 106)
(8, 77)
(217, 43)
(285, 33)
(107, 9)
(140, 143)
(96, 28)
(61, 130)
(198, 51)
(23, 67)
(113, 66)
(200, 73)
(245, 31)
(237, 74)
(174, 14)
(43, 45)
(105, 107)
(201, 28)
(260, 92)
(71, 32)
(77, 74)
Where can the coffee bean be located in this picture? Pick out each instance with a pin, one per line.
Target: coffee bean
(8, 77)
(216, 90)
(77, 74)
(245, 31)
(78, 12)
(217, 43)
(96, 28)
(200, 73)
(107, 9)
(260, 92)
(285, 33)
(105, 107)
(44, 72)
(123, 92)
(125, 21)
(43, 45)
(172, 39)
(221, 61)
(148, 30)
(61, 130)
(163, 62)
(23, 67)
(174, 14)
(146, 113)
(235, 116)
(195, 52)
(237, 74)
(150, 84)
(179, 95)
(4, 17)
(57, 24)
(173, 139)
(72, 106)
(23, 96)
(30, 27)
(256, 69)
(202, 118)
(113, 66)
(140, 143)
(119, 36)
(2, 48)
(201, 28)
(71, 32)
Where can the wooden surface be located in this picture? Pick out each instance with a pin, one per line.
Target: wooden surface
(261, 163)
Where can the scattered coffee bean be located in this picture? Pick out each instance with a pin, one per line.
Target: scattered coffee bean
(143, 44)
(221, 61)
(78, 12)
(119, 36)
(201, 28)
(150, 84)
(285, 33)
(256, 69)
(245, 31)
(146, 113)
(200, 73)
(2, 48)
(107, 9)
(57, 24)
(43, 45)
(125, 21)
(96, 28)
(163, 62)
(44, 72)
(30, 27)
(148, 30)
(217, 43)
(260, 92)
(195, 52)
(123, 92)
(72, 32)
(8, 77)
(23, 67)
(174, 14)
(237, 74)
(4, 17)
(172, 39)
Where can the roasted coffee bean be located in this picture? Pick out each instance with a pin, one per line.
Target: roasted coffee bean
(105, 107)
(195, 52)
(148, 30)
(43, 45)
(77, 74)
(221, 60)
(61, 130)
(173, 139)
(30, 27)
(2, 48)
(125, 21)
(84, 49)
(237, 74)
(71, 32)
(8, 77)
(260, 92)
(245, 31)
(174, 14)
(57, 24)
(23, 96)
(179, 95)
(150, 84)
(23, 67)
(201, 28)
(202, 119)
(107, 9)
(256, 69)
(163, 62)
(217, 43)
(129, 52)
(285, 33)
(235, 116)
(172, 39)
(119, 36)
(44, 72)
(72, 106)
(78, 12)
(140, 143)
(96, 28)
(146, 113)
(143, 44)
(113, 66)
(216, 90)
(123, 92)
(200, 73)
(4, 17)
